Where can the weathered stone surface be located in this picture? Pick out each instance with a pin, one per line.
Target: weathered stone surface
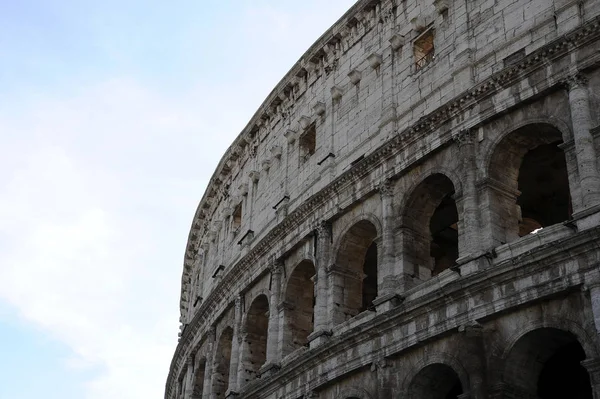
(425, 227)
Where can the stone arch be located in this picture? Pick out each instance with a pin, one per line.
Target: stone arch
(422, 176)
(546, 363)
(437, 358)
(354, 273)
(581, 333)
(298, 307)
(354, 392)
(560, 125)
(527, 185)
(348, 225)
(255, 336)
(429, 227)
(440, 377)
(222, 363)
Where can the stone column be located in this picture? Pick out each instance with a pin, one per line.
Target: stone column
(386, 269)
(210, 363)
(594, 290)
(235, 349)
(189, 380)
(467, 203)
(322, 327)
(476, 364)
(584, 142)
(273, 353)
(593, 368)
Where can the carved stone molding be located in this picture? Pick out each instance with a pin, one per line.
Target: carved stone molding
(575, 81)
(319, 108)
(396, 41)
(323, 230)
(290, 135)
(374, 60)
(386, 189)
(336, 93)
(276, 266)
(464, 137)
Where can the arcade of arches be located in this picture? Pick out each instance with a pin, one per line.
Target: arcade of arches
(527, 189)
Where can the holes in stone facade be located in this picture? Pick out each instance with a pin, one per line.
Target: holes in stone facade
(443, 227)
(236, 218)
(431, 227)
(355, 272)
(299, 307)
(198, 388)
(544, 186)
(545, 364)
(254, 352)
(424, 50)
(436, 381)
(308, 143)
(369, 285)
(222, 363)
(529, 185)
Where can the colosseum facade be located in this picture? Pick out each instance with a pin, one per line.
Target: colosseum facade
(412, 213)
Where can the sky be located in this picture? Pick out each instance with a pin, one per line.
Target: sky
(113, 117)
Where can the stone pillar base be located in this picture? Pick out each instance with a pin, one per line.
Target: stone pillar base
(588, 218)
(269, 369)
(318, 337)
(386, 302)
(231, 394)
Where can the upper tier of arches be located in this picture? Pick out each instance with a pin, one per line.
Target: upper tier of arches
(362, 82)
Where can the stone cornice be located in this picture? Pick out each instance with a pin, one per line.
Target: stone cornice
(425, 125)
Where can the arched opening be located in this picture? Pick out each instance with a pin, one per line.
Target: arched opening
(436, 381)
(355, 272)
(254, 353)
(431, 227)
(222, 363)
(299, 307)
(199, 374)
(529, 185)
(546, 364)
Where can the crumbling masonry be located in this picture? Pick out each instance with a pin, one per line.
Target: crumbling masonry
(413, 213)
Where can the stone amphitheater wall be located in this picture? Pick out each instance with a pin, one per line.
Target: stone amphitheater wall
(345, 170)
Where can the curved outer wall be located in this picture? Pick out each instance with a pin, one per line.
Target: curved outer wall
(414, 201)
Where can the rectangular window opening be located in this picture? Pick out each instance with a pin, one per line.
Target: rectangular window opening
(237, 218)
(424, 49)
(308, 143)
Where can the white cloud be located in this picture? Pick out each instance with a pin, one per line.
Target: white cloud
(98, 186)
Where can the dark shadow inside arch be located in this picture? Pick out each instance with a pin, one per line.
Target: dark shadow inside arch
(299, 307)
(544, 186)
(222, 363)
(546, 363)
(436, 381)
(355, 286)
(431, 226)
(254, 353)
(531, 184)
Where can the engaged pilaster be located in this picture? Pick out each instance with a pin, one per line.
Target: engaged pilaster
(469, 235)
(210, 363)
(476, 364)
(235, 349)
(587, 165)
(273, 354)
(387, 284)
(593, 368)
(322, 326)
